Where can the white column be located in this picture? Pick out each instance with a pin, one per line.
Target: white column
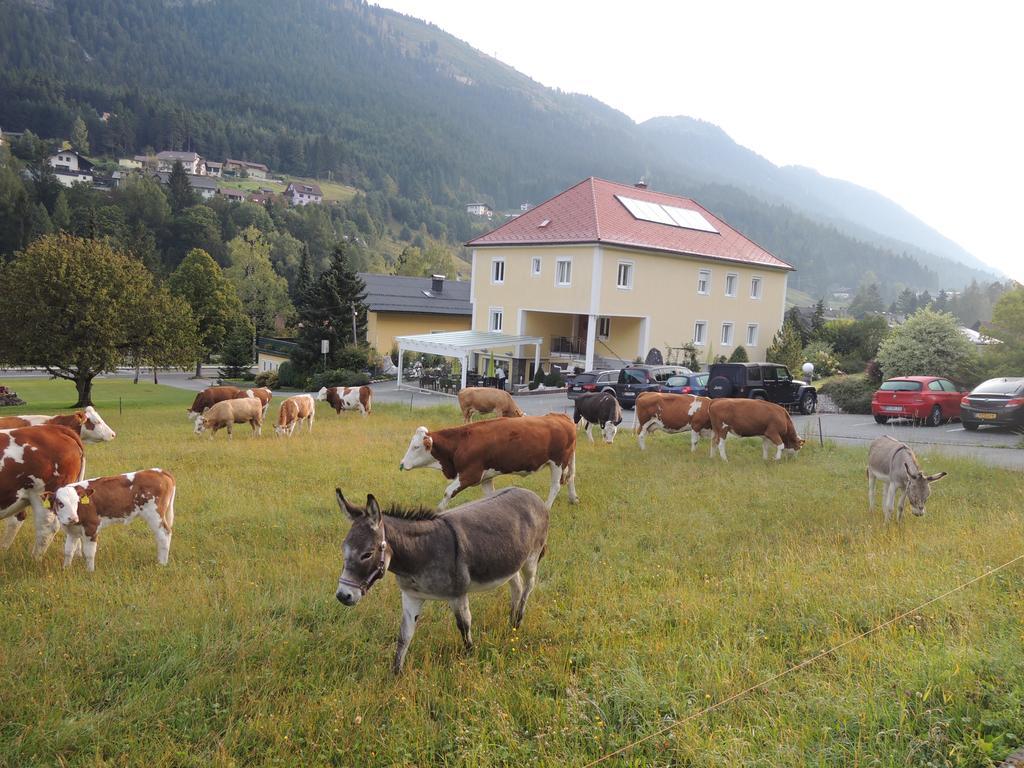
(401, 356)
(536, 357)
(591, 341)
(465, 366)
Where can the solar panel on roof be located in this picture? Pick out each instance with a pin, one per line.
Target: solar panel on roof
(666, 214)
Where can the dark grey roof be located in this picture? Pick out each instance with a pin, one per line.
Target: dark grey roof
(391, 293)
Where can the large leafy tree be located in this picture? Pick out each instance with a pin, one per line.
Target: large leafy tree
(1008, 327)
(164, 333)
(263, 292)
(200, 281)
(929, 343)
(68, 305)
(331, 308)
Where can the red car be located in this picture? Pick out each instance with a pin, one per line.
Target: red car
(930, 399)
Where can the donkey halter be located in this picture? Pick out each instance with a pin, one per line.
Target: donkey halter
(377, 574)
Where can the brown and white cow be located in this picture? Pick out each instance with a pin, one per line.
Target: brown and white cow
(88, 423)
(263, 394)
(486, 400)
(227, 413)
(34, 460)
(754, 418)
(474, 454)
(293, 410)
(672, 413)
(210, 397)
(86, 507)
(348, 398)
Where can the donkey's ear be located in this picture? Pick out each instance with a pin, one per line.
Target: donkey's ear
(373, 511)
(914, 474)
(351, 510)
(937, 476)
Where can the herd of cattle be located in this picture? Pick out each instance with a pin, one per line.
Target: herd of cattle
(479, 545)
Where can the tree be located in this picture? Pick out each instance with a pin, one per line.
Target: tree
(61, 217)
(213, 300)
(236, 357)
(906, 302)
(333, 309)
(928, 343)
(818, 319)
(796, 318)
(179, 189)
(868, 301)
(263, 292)
(786, 348)
(164, 333)
(80, 135)
(1008, 327)
(67, 305)
(739, 355)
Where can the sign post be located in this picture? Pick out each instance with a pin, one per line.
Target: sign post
(325, 347)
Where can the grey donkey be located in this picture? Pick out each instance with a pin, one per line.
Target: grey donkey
(445, 556)
(896, 466)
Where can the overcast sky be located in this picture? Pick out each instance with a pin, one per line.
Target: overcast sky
(920, 101)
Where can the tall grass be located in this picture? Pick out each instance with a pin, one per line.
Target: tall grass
(677, 581)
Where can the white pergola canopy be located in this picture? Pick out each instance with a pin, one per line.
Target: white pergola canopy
(461, 344)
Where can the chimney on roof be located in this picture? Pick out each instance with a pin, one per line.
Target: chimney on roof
(642, 184)
(437, 283)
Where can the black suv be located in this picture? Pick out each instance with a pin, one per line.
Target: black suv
(634, 379)
(761, 381)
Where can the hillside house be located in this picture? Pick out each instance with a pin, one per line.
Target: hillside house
(130, 164)
(70, 167)
(300, 193)
(193, 164)
(244, 168)
(234, 195)
(401, 306)
(604, 271)
(203, 186)
(479, 209)
(214, 169)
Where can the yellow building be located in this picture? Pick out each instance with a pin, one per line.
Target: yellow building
(604, 272)
(407, 306)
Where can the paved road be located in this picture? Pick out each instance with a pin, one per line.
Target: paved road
(995, 447)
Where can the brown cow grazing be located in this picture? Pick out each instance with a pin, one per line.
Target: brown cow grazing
(672, 413)
(293, 410)
(754, 418)
(474, 454)
(486, 400)
(210, 397)
(88, 423)
(347, 398)
(226, 413)
(85, 507)
(263, 394)
(34, 460)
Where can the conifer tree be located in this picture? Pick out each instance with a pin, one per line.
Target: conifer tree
(180, 191)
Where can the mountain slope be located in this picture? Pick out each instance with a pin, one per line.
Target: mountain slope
(386, 102)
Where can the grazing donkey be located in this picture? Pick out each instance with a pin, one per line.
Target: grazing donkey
(895, 464)
(445, 556)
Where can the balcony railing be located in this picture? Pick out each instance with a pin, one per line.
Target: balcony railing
(568, 345)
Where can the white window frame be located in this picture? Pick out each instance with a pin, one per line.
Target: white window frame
(735, 283)
(703, 325)
(757, 331)
(732, 334)
(535, 266)
(607, 323)
(756, 280)
(495, 262)
(704, 275)
(630, 269)
(492, 313)
(558, 270)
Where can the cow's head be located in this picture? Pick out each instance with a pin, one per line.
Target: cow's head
(94, 428)
(919, 487)
(192, 415)
(322, 394)
(365, 550)
(419, 454)
(64, 502)
(610, 430)
(280, 430)
(201, 423)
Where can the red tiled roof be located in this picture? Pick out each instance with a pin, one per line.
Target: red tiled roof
(590, 213)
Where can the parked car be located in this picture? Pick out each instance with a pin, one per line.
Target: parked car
(634, 379)
(762, 381)
(999, 402)
(592, 381)
(928, 399)
(686, 384)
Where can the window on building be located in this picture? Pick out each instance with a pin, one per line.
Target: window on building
(497, 271)
(755, 287)
(496, 319)
(535, 266)
(752, 335)
(726, 334)
(704, 282)
(604, 327)
(625, 276)
(731, 280)
(563, 272)
(700, 333)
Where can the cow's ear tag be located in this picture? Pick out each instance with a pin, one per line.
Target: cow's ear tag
(84, 500)
(46, 504)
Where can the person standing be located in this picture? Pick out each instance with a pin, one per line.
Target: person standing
(499, 376)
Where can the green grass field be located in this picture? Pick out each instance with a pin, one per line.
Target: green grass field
(677, 582)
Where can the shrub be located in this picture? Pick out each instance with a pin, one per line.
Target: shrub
(554, 379)
(739, 355)
(929, 343)
(821, 355)
(288, 375)
(851, 393)
(341, 377)
(873, 372)
(267, 379)
(538, 377)
(351, 358)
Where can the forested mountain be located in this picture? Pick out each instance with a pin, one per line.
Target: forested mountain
(401, 109)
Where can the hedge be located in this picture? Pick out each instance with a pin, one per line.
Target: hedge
(851, 393)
